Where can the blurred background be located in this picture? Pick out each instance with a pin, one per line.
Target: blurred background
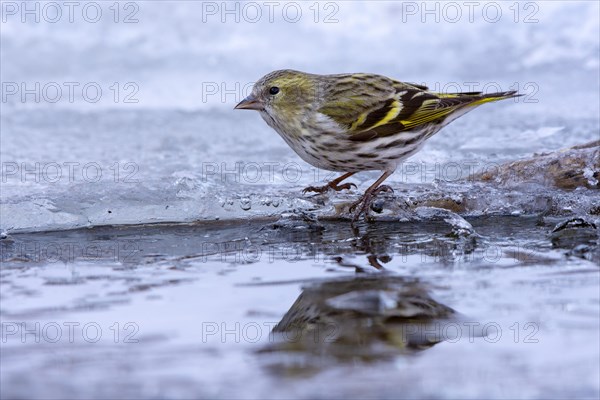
(119, 114)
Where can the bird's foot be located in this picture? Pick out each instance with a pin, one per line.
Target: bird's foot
(363, 204)
(330, 185)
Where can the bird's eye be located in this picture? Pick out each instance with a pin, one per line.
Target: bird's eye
(274, 90)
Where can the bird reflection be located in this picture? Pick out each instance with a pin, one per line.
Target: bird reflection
(367, 317)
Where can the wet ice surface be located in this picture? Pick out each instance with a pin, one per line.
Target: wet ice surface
(475, 280)
(180, 153)
(268, 309)
(145, 167)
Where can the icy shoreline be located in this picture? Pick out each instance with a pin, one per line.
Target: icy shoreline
(514, 188)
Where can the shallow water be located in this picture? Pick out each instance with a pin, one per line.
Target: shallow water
(284, 308)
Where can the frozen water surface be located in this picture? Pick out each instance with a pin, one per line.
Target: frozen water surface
(157, 244)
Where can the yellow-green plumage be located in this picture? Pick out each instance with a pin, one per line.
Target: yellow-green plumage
(356, 122)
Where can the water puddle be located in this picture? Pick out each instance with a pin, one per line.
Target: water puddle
(302, 307)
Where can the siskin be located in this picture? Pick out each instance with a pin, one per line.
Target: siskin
(356, 122)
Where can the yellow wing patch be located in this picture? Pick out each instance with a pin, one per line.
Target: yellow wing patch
(361, 120)
(428, 112)
(377, 117)
(391, 114)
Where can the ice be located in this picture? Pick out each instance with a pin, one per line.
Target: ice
(458, 224)
(179, 153)
(193, 213)
(298, 221)
(579, 235)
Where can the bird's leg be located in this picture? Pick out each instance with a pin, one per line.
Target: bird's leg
(363, 204)
(334, 184)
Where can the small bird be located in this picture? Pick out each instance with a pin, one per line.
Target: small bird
(356, 122)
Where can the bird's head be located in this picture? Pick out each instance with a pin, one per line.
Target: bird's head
(283, 94)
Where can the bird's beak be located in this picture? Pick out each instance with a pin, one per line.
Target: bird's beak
(249, 103)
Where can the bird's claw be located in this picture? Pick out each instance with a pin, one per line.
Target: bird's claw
(325, 188)
(316, 189)
(345, 186)
(383, 188)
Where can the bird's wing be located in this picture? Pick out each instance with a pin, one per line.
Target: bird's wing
(388, 107)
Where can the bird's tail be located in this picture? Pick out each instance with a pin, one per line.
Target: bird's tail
(490, 97)
(476, 98)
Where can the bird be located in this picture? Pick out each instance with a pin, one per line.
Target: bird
(356, 122)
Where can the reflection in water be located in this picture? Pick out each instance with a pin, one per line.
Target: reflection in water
(363, 318)
(382, 321)
(442, 240)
